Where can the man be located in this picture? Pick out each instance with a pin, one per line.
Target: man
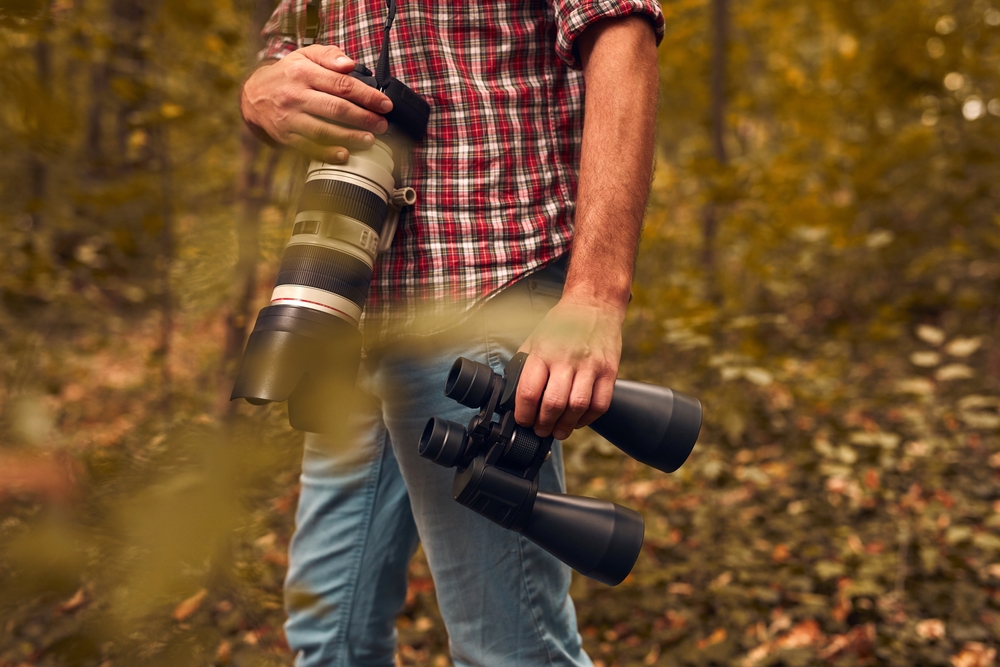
(516, 173)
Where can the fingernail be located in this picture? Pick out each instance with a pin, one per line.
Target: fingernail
(342, 61)
(341, 156)
(560, 435)
(382, 126)
(386, 106)
(369, 140)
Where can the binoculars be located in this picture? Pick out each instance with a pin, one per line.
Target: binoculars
(498, 462)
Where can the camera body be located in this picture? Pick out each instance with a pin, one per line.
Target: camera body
(305, 346)
(498, 462)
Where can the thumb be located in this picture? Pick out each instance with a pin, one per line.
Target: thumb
(330, 57)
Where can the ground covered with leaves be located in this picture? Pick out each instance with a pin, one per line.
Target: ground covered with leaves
(835, 519)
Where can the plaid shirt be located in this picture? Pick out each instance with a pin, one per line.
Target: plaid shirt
(497, 171)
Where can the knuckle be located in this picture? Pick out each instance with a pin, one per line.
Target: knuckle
(553, 405)
(578, 405)
(342, 85)
(600, 404)
(372, 120)
(527, 393)
(296, 68)
(335, 108)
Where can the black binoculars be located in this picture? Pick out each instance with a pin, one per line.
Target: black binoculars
(498, 463)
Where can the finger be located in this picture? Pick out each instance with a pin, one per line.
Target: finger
(577, 404)
(332, 154)
(600, 400)
(530, 386)
(330, 57)
(342, 111)
(554, 400)
(326, 133)
(351, 89)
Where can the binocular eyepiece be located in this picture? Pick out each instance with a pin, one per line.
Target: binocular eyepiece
(498, 462)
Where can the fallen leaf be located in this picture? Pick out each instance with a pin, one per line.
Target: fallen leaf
(802, 634)
(717, 636)
(78, 600)
(680, 588)
(930, 628)
(974, 654)
(721, 581)
(224, 653)
(919, 386)
(953, 372)
(189, 606)
(930, 335)
(963, 347)
(925, 359)
(757, 654)
(276, 557)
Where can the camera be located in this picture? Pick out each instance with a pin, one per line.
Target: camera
(498, 462)
(305, 346)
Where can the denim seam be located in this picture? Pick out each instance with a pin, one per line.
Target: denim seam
(492, 356)
(371, 490)
(528, 589)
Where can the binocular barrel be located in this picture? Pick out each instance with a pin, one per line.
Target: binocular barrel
(654, 425)
(498, 464)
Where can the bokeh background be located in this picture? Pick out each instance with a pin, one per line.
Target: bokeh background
(820, 264)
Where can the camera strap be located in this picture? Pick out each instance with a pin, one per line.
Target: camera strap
(312, 23)
(382, 75)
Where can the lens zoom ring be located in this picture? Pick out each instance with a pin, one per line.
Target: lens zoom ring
(325, 269)
(344, 198)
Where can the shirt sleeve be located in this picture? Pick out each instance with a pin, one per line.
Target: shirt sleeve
(574, 16)
(280, 33)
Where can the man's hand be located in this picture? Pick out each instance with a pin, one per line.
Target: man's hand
(568, 378)
(307, 101)
(573, 356)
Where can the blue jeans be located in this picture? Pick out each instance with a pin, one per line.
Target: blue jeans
(368, 498)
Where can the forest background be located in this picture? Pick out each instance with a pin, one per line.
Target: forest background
(820, 264)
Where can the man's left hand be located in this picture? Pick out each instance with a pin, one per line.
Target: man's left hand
(569, 376)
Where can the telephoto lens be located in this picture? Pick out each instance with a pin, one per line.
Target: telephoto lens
(305, 346)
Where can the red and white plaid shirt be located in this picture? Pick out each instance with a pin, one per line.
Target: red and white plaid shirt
(496, 174)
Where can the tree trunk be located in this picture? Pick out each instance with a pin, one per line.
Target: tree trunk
(161, 146)
(253, 189)
(710, 213)
(38, 171)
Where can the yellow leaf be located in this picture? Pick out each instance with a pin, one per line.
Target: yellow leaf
(189, 606)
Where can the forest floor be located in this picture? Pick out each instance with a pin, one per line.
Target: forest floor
(844, 520)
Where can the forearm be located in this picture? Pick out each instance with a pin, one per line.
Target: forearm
(620, 74)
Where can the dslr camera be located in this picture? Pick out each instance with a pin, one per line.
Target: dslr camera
(305, 346)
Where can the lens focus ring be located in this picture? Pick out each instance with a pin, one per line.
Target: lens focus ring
(325, 269)
(346, 199)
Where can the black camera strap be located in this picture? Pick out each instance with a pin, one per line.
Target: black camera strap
(382, 75)
(312, 23)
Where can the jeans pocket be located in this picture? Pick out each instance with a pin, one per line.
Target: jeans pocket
(544, 294)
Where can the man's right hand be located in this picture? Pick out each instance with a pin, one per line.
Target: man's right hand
(307, 101)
